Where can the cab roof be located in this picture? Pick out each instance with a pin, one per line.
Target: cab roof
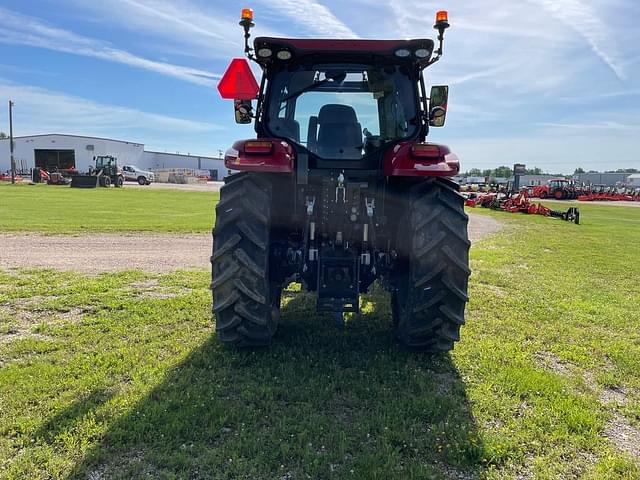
(334, 50)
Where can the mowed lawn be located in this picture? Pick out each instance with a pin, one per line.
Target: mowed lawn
(120, 375)
(61, 209)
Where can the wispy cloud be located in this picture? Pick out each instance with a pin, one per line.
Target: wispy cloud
(207, 31)
(606, 125)
(313, 17)
(583, 18)
(40, 110)
(20, 29)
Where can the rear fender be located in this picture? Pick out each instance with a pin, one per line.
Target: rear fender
(401, 161)
(279, 159)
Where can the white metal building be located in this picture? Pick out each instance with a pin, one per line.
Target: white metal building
(608, 179)
(162, 160)
(53, 151)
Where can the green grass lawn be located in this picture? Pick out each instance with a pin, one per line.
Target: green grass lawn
(120, 375)
(58, 209)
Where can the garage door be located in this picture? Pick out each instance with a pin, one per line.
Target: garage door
(54, 160)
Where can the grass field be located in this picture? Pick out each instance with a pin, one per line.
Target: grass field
(120, 376)
(49, 209)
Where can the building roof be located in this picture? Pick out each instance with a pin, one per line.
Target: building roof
(188, 155)
(602, 173)
(77, 136)
(113, 140)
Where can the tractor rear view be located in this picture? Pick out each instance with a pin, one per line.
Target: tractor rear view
(340, 189)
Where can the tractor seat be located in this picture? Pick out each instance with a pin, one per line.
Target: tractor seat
(339, 133)
(285, 128)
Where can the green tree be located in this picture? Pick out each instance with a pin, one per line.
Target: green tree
(3, 136)
(578, 170)
(503, 171)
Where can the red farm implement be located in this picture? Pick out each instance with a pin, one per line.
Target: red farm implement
(602, 193)
(520, 203)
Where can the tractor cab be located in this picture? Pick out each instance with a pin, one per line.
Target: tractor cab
(106, 163)
(560, 189)
(339, 104)
(339, 111)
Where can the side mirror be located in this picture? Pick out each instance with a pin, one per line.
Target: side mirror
(243, 110)
(438, 105)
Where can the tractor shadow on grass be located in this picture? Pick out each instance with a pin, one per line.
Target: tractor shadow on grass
(320, 403)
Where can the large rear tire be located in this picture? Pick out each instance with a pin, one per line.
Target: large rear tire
(246, 304)
(433, 267)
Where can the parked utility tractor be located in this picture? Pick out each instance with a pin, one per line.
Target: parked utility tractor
(559, 188)
(340, 188)
(104, 174)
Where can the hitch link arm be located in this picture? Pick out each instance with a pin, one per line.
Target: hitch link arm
(310, 232)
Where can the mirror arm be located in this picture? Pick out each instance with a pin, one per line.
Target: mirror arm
(425, 106)
(260, 99)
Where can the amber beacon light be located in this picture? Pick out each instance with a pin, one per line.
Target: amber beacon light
(442, 20)
(247, 14)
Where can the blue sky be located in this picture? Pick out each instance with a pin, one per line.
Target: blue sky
(550, 83)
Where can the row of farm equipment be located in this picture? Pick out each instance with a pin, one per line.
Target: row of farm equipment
(562, 189)
(610, 194)
(519, 203)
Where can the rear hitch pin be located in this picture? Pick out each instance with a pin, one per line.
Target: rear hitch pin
(310, 203)
(370, 204)
(313, 252)
(341, 189)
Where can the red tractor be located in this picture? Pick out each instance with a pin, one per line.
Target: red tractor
(340, 189)
(559, 188)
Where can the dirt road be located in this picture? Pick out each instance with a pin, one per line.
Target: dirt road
(154, 253)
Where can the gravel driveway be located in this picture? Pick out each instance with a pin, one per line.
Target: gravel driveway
(150, 252)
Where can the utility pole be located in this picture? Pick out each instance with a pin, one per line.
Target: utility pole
(13, 161)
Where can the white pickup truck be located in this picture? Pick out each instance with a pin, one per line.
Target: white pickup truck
(133, 173)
